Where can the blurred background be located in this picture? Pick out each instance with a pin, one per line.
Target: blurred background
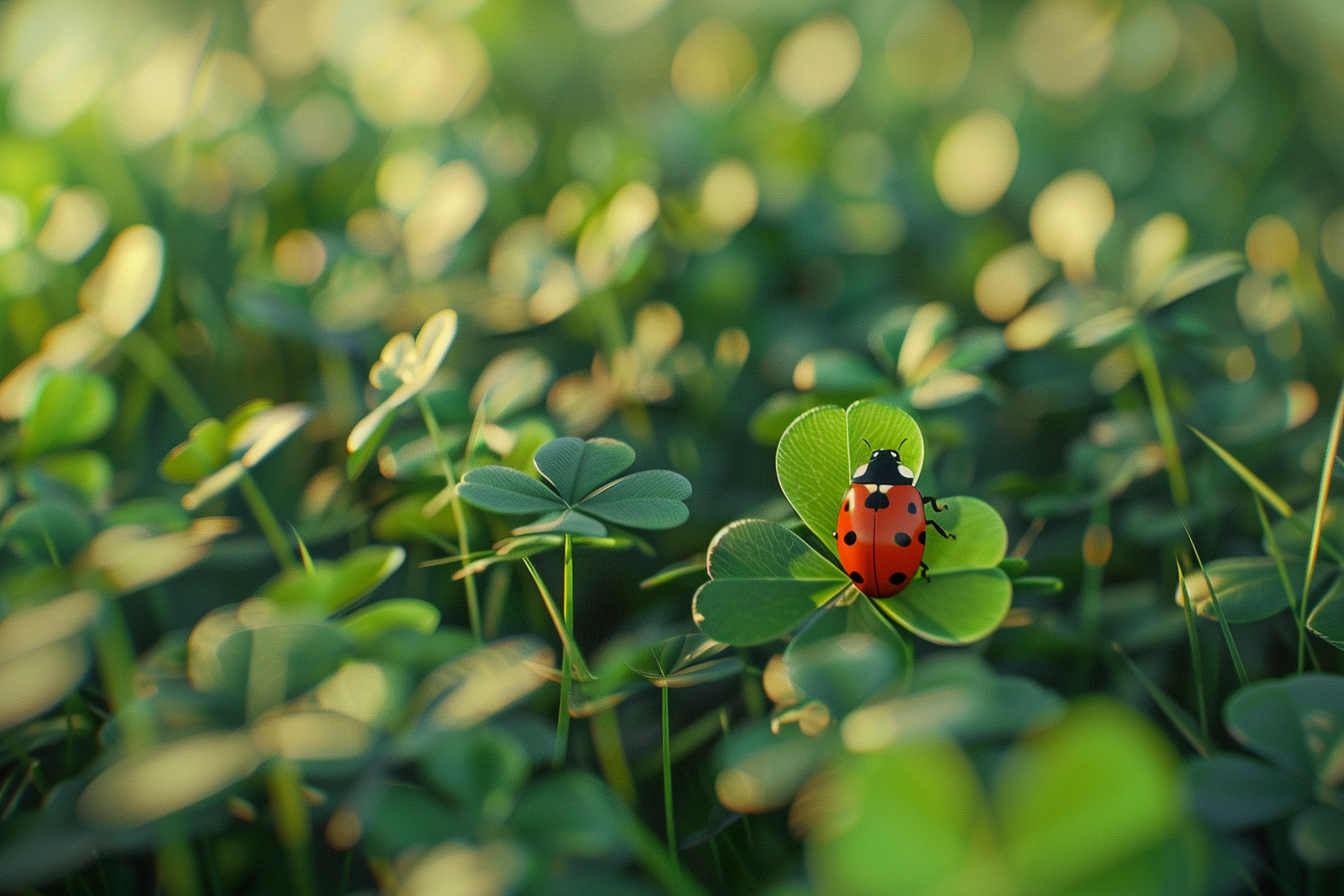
(1057, 231)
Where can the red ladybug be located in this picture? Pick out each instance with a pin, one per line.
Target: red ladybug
(880, 534)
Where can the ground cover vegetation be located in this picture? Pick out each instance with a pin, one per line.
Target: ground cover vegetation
(424, 425)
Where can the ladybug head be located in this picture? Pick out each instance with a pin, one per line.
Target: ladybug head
(884, 467)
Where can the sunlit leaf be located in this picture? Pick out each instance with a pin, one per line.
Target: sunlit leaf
(205, 451)
(819, 451)
(72, 407)
(148, 785)
(764, 580)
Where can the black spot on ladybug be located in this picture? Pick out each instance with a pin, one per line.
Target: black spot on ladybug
(850, 538)
(910, 508)
(857, 579)
(897, 578)
(902, 539)
(921, 536)
(846, 507)
(877, 501)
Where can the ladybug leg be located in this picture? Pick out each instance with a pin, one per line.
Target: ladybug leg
(924, 571)
(941, 531)
(933, 502)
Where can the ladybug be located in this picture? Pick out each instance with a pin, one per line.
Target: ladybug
(880, 533)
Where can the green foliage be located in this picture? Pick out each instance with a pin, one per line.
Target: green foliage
(393, 296)
(583, 494)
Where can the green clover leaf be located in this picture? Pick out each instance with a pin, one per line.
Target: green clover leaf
(765, 580)
(580, 499)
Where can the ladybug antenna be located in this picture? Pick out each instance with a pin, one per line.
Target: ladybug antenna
(866, 442)
(900, 446)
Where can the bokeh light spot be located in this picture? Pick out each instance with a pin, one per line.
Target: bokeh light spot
(77, 218)
(929, 48)
(1064, 46)
(975, 162)
(613, 17)
(713, 64)
(1009, 279)
(299, 257)
(728, 196)
(1069, 218)
(1271, 245)
(815, 63)
(320, 128)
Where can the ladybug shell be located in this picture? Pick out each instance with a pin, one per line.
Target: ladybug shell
(880, 536)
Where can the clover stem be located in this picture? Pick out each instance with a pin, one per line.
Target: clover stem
(270, 526)
(668, 814)
(158, 368)
(292, 823)
(566, 667)
(459, 516)
(606, 727)
(1166, 430)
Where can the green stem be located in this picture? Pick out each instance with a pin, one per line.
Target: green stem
(611, 757)
(651, 855)
(459, 515)
(270, 525)
(291, 823)
(668, 815)
(566, 666)
(1166, 429)
(159, 369)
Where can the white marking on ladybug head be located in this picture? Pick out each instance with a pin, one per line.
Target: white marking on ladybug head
(870, 486)
(884, 488)
(905, 471)
(862, 468)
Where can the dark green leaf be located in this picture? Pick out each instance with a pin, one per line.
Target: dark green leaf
(765, 580)
(1233, 793)
(952, 607)
(502, 490)
(1318, 835)
(575, 467)
(1248, 588)
(650, 499)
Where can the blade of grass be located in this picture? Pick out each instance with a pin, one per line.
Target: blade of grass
(459, 515)
(1256, 484)
(1296, 606)
(1179, 718)
(566, 638)
(611, 758)
(1166, 429)
(1322, 495)
(1217, 611)
(270, 525)
(1196, 654)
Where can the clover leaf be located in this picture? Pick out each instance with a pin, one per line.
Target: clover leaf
(405, 366)
(579, 496)
(216, 454)
(1295, 728)
(765, 580)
